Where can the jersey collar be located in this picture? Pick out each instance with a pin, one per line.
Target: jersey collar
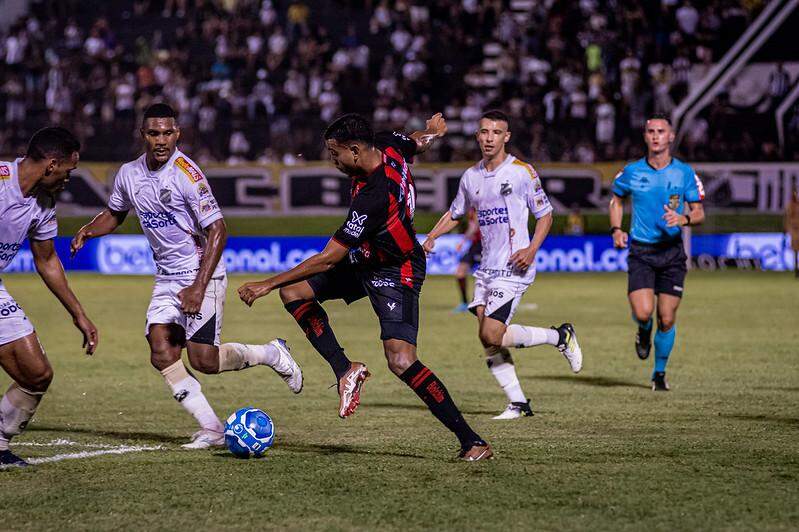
(485, 173)
(646, 160)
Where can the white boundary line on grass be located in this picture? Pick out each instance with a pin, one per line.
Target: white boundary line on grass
(103, 449)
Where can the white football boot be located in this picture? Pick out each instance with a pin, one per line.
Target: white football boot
(515, 411)
(205, 439)
(569, 347)
(286, 366)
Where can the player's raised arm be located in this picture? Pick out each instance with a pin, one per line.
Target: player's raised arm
(52, 273)
(435, 127)
(333, 253)
(104, 223)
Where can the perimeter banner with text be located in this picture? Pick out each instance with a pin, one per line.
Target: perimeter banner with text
(317, 188)
(131, 254)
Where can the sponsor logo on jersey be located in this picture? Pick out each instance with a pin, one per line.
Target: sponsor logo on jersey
(674, 201)
(495, 215)
(377, 283)
(5, 172)
(155, 220)
(203, 190)
(391, 305)
(188, 169)
(8, 250)
(354, 227)
(208, 205)
(165, 195)
(9, 308)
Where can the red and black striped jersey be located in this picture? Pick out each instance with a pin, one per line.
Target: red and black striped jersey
(379, 227)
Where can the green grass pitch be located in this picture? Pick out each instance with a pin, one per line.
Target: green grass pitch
(720, 451)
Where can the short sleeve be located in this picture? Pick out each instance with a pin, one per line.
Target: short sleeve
(197, 193)
(621, 183)
(119, 200)
(694, 190)
(368, 213)
(460, 205)
(46, 227)
(537, 199)
(405, 145)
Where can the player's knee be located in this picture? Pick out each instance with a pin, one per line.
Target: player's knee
(666, 322)
(161, 358)
(399, 362)
(291, 293)
(205, 364)
(490, 337)
(643, 312)
(40, 381)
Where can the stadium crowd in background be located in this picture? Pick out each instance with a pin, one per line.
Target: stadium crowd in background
(256, 80)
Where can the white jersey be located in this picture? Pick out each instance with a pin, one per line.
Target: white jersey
(20, 217)
(503, 200)
(174, 205)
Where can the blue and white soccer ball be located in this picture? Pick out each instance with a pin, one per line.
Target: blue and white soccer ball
(249, 432)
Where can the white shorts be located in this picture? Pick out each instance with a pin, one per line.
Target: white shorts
(499, 295)
(14, 324)
(205, 326)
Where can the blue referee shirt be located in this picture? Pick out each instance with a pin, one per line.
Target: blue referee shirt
(651, 189)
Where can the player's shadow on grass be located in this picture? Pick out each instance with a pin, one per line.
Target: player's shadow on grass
(780, 420)
(404, 406)
(599, 381)
(330, 450)
(112, 434)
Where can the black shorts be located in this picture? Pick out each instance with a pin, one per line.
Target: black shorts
(661, 267)
(473, 255)
(395, 304)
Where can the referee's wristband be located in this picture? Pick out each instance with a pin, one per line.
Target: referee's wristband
(614, 229)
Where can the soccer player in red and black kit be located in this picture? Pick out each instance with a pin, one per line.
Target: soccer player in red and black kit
(374, 253)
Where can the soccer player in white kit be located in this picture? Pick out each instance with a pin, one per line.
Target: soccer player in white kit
(184, 227)
(504, 190)
(27, 209)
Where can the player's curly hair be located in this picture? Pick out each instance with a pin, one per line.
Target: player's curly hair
(351, 127)
(55, 142)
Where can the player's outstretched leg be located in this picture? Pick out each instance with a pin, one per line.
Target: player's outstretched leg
(26, 363)
(403, 363)
(564, 338)
(275, 354)
(165, 355)
(500, 363)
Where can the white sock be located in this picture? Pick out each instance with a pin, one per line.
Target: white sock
(234, 356)
(501, 365)
(188, 392)
(16, 408)
(524, 336)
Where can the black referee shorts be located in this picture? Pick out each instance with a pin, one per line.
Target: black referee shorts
(396, 305)
(661, 267)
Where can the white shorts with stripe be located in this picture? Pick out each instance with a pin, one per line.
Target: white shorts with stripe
(204, 327)
(499, 295)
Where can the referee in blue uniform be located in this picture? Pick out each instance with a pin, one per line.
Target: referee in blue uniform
(659, 185)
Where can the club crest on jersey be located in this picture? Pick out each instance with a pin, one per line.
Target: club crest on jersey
(674, 201)
(505, 189)
(5, 172)
(193, 174)
(165, 195)
(354, 226)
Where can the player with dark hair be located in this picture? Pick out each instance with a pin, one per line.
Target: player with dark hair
(659, 186)
(374, 253)
(504, 191)
(28, 187)
(184, 227)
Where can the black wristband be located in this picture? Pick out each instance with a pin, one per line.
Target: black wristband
(614, 229)
(687, 219)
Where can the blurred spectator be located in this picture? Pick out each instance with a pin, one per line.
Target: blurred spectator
(792, 227)
(575, 222)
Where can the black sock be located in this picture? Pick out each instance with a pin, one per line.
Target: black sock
(462, 288)
(312, 319)
(433, 392)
